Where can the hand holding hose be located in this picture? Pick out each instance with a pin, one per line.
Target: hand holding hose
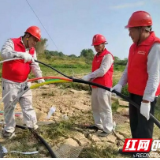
(86, 78)
(117, 87)
(26, 56)
(145, 109)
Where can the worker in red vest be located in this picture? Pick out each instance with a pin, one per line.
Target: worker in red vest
(102, 71)
(142, 74)
(14, 78)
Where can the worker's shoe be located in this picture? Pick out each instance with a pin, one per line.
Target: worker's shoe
(104, 134)
(92, 127)
(8, 135)
(32, 127)
(35, 127)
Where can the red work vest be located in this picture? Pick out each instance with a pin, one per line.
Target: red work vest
(137, 65)
(106, 80)
(17, 70)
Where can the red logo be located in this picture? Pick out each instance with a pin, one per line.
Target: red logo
(137, 145)
(142, 52)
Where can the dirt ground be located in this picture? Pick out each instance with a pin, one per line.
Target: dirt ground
(73, 103)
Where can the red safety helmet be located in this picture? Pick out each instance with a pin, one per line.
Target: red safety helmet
(139, 18)
(98, 39)
(34, 31)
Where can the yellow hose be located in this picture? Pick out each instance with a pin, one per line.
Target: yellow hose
(49, 82)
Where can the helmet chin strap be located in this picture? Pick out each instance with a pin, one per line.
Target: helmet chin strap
(139, 38)
(27, 46)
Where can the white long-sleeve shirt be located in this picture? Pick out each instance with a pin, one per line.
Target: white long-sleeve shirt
(153, 70)
(8, 52)
(106, 63)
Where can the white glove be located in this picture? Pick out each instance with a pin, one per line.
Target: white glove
(86, 78)
(41, 80)
(145, 109)
(26, 56)
(117, 87)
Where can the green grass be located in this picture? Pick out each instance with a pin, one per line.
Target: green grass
(67, 71)
(157, 109)
(115, 106)
(58, 129)
(70, 66)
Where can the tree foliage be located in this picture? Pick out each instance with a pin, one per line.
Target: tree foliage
(118, 61)
(54, 53)
(41, 46)
(72, 56)
(87, 53)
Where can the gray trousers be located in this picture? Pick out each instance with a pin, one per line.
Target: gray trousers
(101, 107)
(12, 89)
